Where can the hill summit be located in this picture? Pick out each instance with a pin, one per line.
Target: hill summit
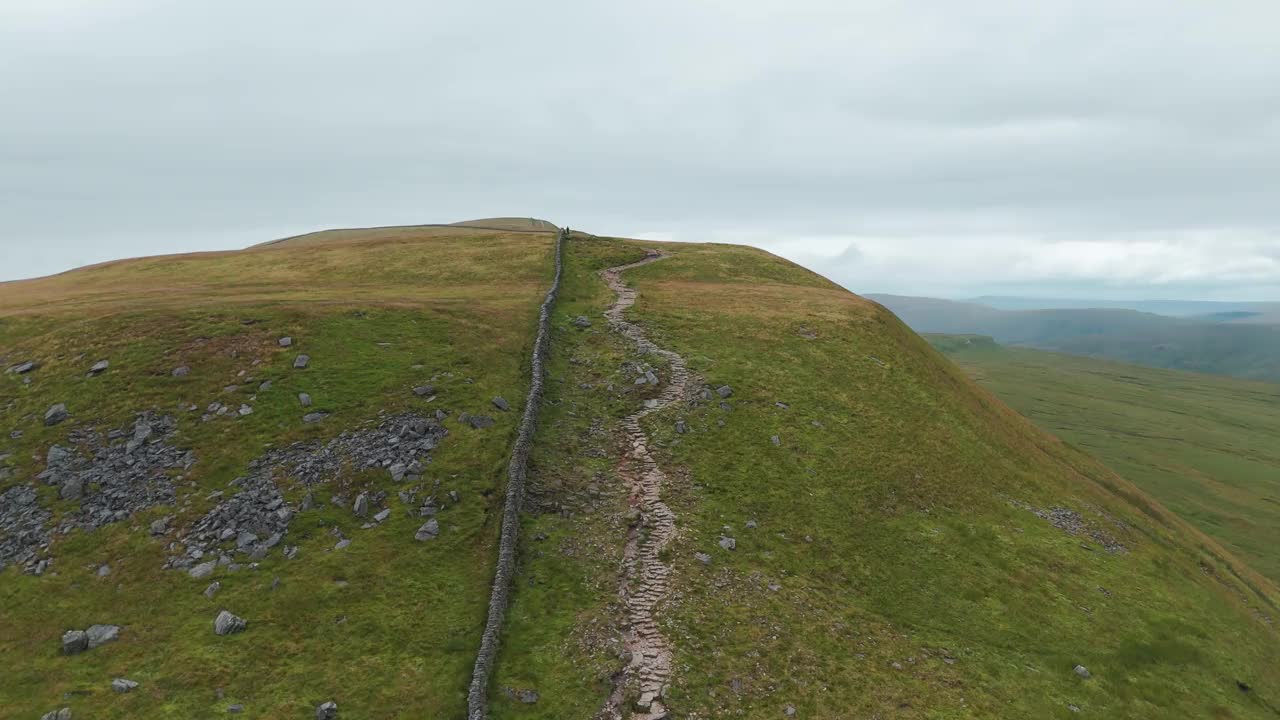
(229, 479)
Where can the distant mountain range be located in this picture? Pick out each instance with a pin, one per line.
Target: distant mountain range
(1208, 309)
(1239, 339)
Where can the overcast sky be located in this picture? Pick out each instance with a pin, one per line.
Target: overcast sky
(1110, 148)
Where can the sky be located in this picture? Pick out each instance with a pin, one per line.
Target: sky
(1061, 148)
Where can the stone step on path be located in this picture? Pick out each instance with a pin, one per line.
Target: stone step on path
(644, 574)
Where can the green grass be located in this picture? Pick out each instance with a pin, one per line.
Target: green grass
(1203, 445)
(908, 583)
(388, 627)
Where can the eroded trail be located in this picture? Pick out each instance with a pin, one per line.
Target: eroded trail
(644, 574)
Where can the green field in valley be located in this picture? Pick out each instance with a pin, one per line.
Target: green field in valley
(1204, 445)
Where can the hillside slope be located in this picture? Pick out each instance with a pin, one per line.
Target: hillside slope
(1248, 347)
(1204, 445)
(789, 506)
(860, 530)
(386, 625)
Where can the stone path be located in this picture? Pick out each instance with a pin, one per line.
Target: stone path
(644, 574)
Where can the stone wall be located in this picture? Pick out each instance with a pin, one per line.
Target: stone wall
(478, 696)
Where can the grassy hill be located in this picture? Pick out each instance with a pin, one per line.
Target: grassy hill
(387, 625)
(903, 543)
(1242, 346)
(1203, 445)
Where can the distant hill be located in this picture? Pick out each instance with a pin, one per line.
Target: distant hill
(1243, 349)
(1174, 308)
(418, 232)
(1204, 445)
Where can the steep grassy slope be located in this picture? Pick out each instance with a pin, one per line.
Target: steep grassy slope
(1203, 445)
(386, 627)
(1248, 348)
(906, 547)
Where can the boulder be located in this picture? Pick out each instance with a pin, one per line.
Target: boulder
(160, 527)
(501, 404)
(1083, 672)
(264, 386)
(213, 589)
(286, 341)
(424, 390)
(314, 417)
(74, 641)
(728, 543)
(682, 427)
(245, 410)
(101, 634)
(343, 544)
(382, 515)
(582, 321)
(327, 711)
(181, 371)
(304, 400)
(203, 570)
(123, 685)
(55, 414)
(702, 557)
(429, 530)
(72, 488)
(228, 624)
(724, 391)
(99, 367)
(301, 361)
(361, 505)
(63, 714)
(23, 368)
(480, 422)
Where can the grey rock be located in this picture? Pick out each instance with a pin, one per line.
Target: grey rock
(1083, 672)
(55, 414)
(728, 543)
(123, 685)
(361, 506)
(398, 471)
(582, 321)
(650, 377)
(480, 422)
(72, 488)
(424, 391)
(501, 404)
(752, 524)
(314, 417)
(203, 570)
(63, 714)
(777, 441)
(264, 386)
(181, 371)
(682, 427)
(99, 367)
(245, 539)
(104, 570)
(301, 361)
(702, 557)
(213, 589)
(382, 515)
(160, 527)
(789, 710)
(23, 368)
(286, 341)
(429, 530)
(58, 455)
(74, 641)
(528, 697)
(724, 391)
(342, 544)
(227, 624)
(304, 400)
(101, 634)
(327, 711)
(235, 709)
(308, 502)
